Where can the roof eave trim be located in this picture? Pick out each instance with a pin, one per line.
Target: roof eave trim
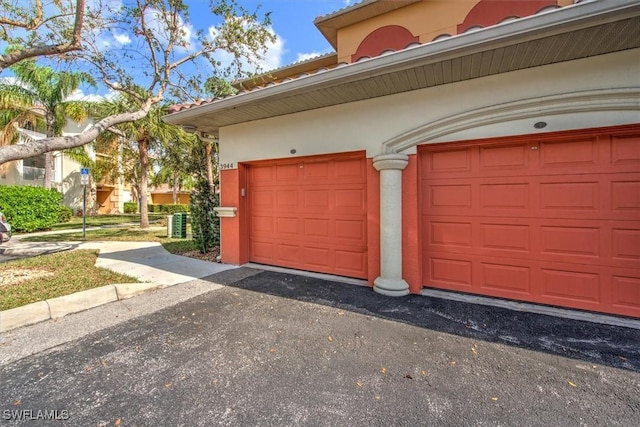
(570, 18)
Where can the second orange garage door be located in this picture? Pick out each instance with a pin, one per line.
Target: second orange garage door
(554, 220)
(309, 214)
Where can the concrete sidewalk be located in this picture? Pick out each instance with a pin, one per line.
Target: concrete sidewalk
(149, 262)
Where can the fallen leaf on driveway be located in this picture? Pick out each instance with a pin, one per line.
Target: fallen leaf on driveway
(571, 384)
(383, 370)
(117, 422)
(167, 385)
(17, 402)
(494, 398)
(330, 338)
(358, 384)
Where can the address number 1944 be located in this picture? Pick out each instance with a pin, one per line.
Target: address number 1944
(225, 166)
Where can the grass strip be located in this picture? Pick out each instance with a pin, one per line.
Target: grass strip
(64, 273)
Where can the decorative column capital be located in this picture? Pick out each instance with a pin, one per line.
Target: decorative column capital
(390, 161)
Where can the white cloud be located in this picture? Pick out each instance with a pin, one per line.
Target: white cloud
(156, 24)
(309, 55)
(122, 38)
(79, 95)
(270, 59)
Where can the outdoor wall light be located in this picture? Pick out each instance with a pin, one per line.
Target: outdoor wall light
(293, 151)
(189, 128)
(540, 125)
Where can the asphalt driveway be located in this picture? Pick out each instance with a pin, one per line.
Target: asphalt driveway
(278, 349)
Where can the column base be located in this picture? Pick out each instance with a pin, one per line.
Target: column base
(391, 287)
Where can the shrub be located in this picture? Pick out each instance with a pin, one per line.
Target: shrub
(205, 224)
(130, 207)
(65, 213)
(171, 209)
(30, 208)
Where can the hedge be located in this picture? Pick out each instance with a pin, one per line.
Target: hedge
(168, 209)
(65, 214)
(130, 207)
(30, 208)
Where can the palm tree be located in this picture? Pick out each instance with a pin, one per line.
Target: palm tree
(45, 89)
(147, 133)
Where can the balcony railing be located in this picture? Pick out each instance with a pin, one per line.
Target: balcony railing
(30, 173)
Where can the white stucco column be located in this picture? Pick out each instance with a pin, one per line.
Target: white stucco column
(390, 281)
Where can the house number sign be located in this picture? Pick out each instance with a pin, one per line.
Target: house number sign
(226, 166)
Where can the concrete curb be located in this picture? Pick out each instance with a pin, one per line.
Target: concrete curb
(61, 306)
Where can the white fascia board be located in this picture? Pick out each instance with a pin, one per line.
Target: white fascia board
(569, 18)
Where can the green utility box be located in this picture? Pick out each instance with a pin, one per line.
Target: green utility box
(179, 225)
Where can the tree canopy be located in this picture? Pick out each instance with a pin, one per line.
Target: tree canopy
(126, 46)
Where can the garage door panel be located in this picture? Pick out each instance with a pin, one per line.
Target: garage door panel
(348, 262)
(287, 253)
(316, 257)
(625, 244)
(261, 199)
(456, 161)
(625, 292)
(448, 270)
(570, 240)
(567, 284)
(313, 211)
(286, 199)
(350, 230)
(288, 225)
(503, 196)
(286, 173)
(577, 153)
(262, 225)
(625, 154)
(449, 234)
(499, 158)
(262, 250)
(350, 170)
(505, 278)
(505, 237)
(262, 176)
(625, 195)
(557, 224)
(350, 199)
(449, 196)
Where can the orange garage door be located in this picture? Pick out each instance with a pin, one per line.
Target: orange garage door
(309, 214)
(553, 221)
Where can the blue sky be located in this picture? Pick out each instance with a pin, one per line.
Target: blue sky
(297, 38)
(292, 21)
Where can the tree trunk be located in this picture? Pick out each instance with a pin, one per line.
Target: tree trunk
(48, 170)
(48, 156)
(175, 187)
(143, 148)
(208, 150)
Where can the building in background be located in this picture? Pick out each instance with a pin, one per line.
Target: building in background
(108, 195)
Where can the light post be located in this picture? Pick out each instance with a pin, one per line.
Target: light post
(84, 180)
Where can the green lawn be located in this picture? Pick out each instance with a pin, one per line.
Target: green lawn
(108, 220)
(54, 275)
(75, 271)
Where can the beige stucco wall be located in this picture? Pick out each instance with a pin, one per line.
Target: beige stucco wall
(367, 124)
(427, 19)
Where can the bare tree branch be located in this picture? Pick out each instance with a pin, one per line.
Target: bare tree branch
(75, 42)
(35, 148)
